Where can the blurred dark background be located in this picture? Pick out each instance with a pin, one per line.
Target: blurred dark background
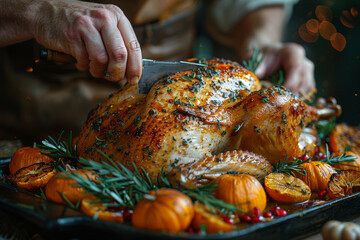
(337, 60)
(329, 30)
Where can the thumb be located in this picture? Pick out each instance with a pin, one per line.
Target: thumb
(260, 71)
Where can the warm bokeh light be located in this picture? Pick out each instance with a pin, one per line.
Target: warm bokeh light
(354, 12)
(312, 25)
(347, 19)
(29, 69)
(37, 60)
(306, 35)
(323, 13)
(327, 29)
(338, 41)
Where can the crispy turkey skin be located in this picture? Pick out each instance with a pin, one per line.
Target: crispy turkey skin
(194, 115)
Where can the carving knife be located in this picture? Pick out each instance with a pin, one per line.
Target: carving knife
(152, 71)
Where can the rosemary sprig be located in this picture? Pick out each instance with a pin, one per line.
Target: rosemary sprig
(116, 182)
(277, 78)
(323, 128)
(289, 167)
(253, 63)
(121, 187)
(59, 149)
(330, 159)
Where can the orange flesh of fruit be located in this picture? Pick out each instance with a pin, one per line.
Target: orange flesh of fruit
(286, 189)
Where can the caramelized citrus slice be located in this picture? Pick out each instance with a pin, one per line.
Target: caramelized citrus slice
(62, 188)
(344, 135)
(286, 189)
(90, 207)
(344, 183)
(213, 222)
(355, 165)
(27, 156)
(34, 176)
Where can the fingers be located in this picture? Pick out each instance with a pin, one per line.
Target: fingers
(299, 71)
(94, 46)
(134, 63)
(117, 53)
(292, 58)
(108, 45)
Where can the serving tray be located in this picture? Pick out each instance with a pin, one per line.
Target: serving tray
(55, 221)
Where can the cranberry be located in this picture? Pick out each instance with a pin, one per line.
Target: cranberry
(281, 213)
(226, 219)
(257, 219)
(256, 212)
(127, 214)
(316, 151)
(267, 214)
(247, 218)
(322, 194)
(274, 208)
(300, 157)
(321, 156)
(305, 157)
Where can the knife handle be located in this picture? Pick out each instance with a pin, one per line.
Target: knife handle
(54, 56)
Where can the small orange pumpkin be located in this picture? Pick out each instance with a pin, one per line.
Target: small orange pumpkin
(61, 185)
(316, 174)
(348, 165)
(243, 190)
(27, 156)
(164, 209)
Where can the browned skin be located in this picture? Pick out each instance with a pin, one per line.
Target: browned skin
(148, 129)
(268, 122)
(195, 173)
(194, 115)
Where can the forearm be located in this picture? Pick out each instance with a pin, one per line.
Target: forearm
(259, 28)
(16, 20)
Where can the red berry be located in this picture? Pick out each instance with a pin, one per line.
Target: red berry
(316, 151)
(300, 157)
(274, 208)
(247, 218)
(281, 213)
(322, 194)
(226, 219)
(267, 214)
(127, 214)
(305, 157)
(257, 219)
(256, 212)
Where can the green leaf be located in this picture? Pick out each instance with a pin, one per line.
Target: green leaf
(186, 78)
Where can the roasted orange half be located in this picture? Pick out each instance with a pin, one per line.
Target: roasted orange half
(214, 223)
(344, 135)
(286, 189)
(90, 206)
(344, 183)
(34, 176)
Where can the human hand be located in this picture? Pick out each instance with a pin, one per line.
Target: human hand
(298, 70)
(99, 36)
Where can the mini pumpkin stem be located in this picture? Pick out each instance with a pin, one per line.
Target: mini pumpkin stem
(150, 197)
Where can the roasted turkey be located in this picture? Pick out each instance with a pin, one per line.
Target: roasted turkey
(199, 124)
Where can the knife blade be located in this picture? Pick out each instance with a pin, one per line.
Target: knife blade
(152, 71)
